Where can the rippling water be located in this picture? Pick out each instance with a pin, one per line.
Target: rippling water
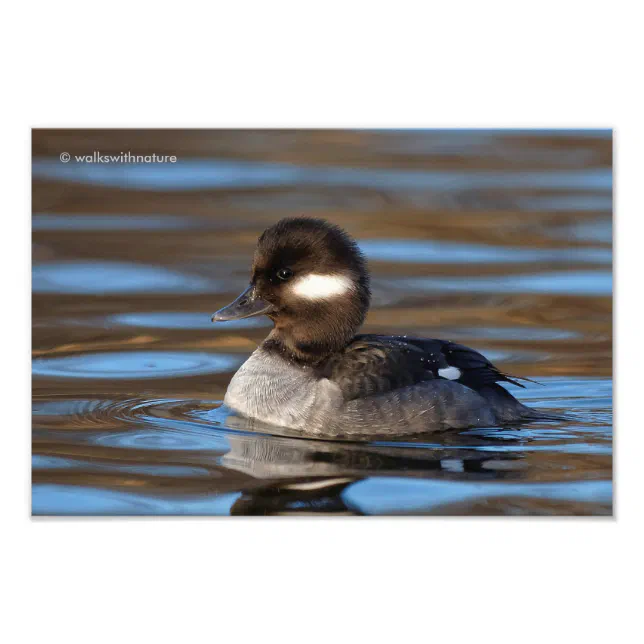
(499, 240)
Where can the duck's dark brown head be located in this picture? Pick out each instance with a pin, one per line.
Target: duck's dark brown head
(311, 279)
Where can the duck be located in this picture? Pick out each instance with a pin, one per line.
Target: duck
(317, 375)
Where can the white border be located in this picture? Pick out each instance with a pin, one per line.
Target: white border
(467, 64)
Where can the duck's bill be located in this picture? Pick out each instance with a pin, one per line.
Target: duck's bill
(247, 305)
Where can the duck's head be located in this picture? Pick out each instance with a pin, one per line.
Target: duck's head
(310, 278)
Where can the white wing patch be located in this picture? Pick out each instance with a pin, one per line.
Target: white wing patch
(453, 464)
(451, 373)
(316, 287)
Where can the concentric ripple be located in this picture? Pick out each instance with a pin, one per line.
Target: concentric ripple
(124, 365)
(135, 423)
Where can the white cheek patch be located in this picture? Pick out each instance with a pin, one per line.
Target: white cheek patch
(451, 373)
(316, 287)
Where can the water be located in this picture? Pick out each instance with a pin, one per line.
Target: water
(502, 241)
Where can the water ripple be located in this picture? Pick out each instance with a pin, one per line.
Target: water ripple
(428, 251)
(486, 463)
(185, 320)
(134, 364)
(573, 283)
(193, 174)
(54, 222)
(48, 499)
(98, 277)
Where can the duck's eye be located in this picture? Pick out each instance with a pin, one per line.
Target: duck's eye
(284, 274)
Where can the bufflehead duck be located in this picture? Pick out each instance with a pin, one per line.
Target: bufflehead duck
(315, 375)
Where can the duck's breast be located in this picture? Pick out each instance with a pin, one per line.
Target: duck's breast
(279, 392)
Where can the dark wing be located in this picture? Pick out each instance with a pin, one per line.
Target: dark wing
(377, 364)
(374, 364)
(474, 369)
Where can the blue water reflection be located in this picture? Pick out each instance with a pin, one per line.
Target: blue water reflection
(65, 499)
(134, 364)
(383, 496)
(185, 320)
(428, 251)
(87, 277)
(53, 222)
(194, 174)
(565, 283)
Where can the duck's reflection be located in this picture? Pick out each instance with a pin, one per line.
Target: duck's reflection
(316, 496)
(309, 476)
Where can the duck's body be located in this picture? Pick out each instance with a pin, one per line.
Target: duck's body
(376, 385)
(314, 375)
